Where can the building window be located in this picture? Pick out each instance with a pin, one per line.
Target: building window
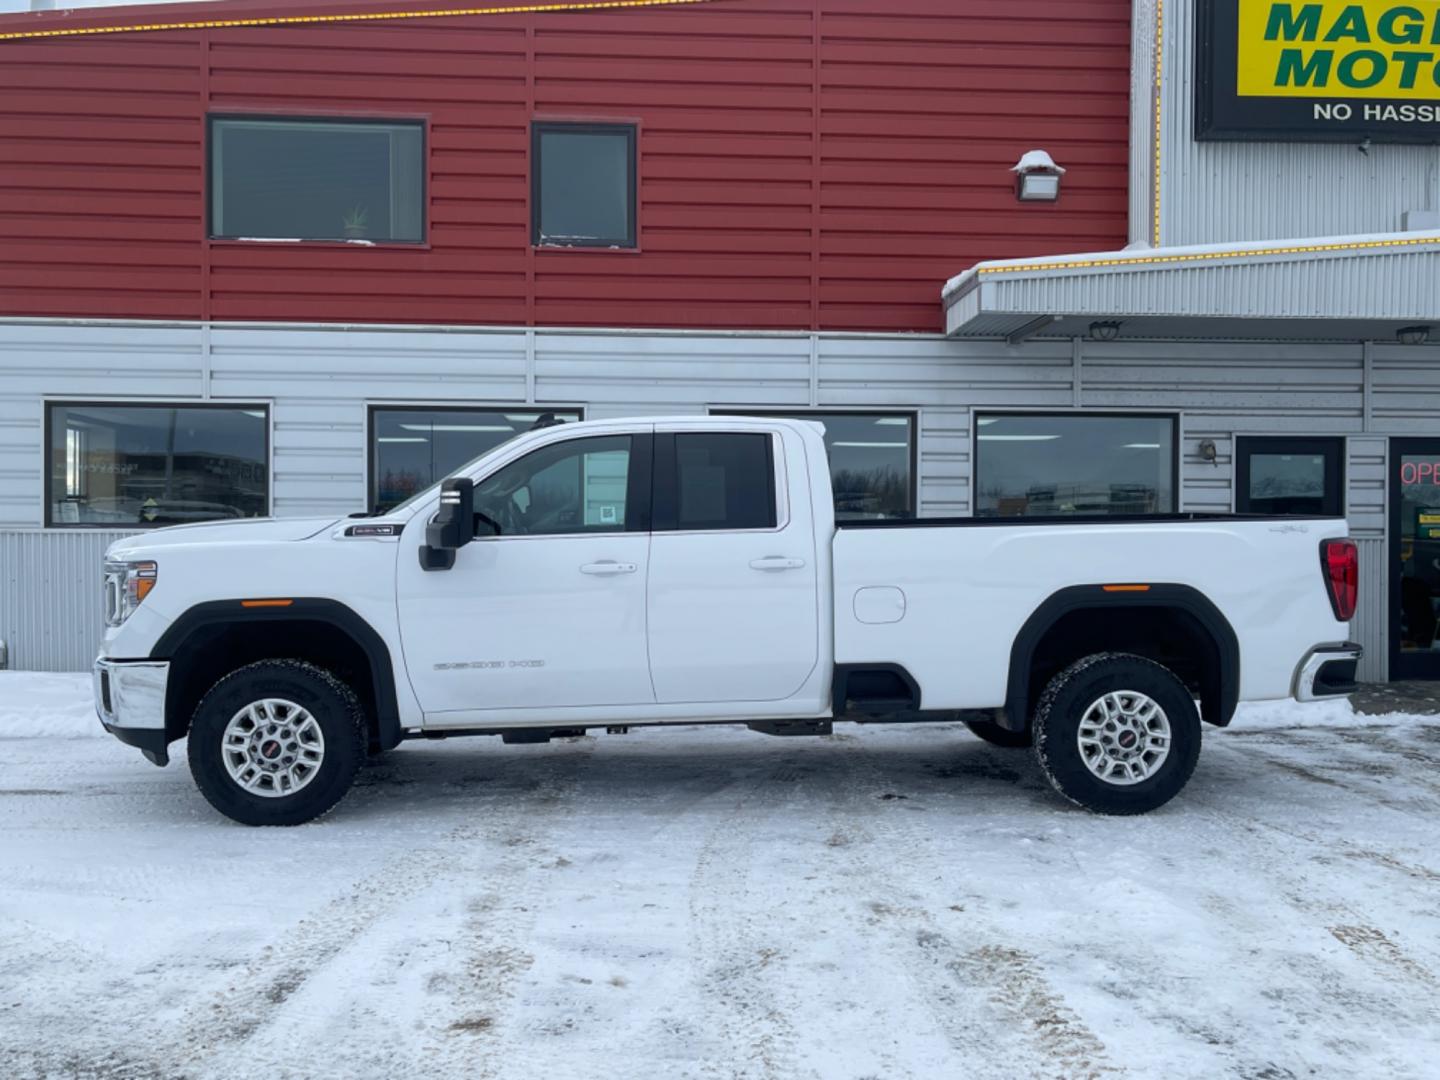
(317, 180)
(412, 448)
(583, 185)
(130, 466)
(1289, 476)
(872, 461)
(1081, 463)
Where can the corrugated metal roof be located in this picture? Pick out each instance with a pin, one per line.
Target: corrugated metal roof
(1380, 278)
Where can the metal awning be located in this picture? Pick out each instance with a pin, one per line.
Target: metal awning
(1344, 287)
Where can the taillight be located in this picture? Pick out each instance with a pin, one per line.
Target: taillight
(1340, 563)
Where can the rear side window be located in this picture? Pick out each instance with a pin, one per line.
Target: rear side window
(722, 481)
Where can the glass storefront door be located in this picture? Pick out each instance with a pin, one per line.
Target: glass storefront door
(1415, 558)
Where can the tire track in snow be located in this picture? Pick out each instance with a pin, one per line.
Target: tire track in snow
(467, 1039)
(1320, 904)
(269, 995)
(732, 942)
(992, 1001)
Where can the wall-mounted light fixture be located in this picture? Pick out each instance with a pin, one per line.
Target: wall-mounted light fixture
(1104, 330)
(1037, 177)
(1413, 335)
(1207, 451)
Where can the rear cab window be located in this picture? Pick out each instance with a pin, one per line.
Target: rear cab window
(715, 482)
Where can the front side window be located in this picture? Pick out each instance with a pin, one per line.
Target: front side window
(1054, 465)
(411, 449)
(128, 466)
(583, 185)
(579, 486)
(871, 458)
(317, 180)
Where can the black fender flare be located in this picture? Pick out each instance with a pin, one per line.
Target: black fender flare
(300, 609)
(1220, 694)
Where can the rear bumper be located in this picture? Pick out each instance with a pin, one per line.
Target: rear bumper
(130, 701)
(1328, 671)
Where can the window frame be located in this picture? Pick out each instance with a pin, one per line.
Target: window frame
(1330, 447)
(631, 129)
(1109, 414)
(282, 117)
(819, 413)
(50, 404)
(665, 488)
(373, 407)
(639, 487)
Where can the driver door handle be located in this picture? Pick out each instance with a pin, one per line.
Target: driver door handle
(607, 569)
(776, 562)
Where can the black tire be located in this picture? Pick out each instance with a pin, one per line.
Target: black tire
(336, 710)
(996, 735)
(1063, 706)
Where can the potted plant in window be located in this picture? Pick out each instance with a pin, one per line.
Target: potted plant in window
(356, 222)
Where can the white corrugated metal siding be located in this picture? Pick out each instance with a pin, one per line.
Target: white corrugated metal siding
(1371, 624)
(1142, 120)
(1218, 191)
(50, 608)
(1366, 473)
(1405, 388)
(320, 382)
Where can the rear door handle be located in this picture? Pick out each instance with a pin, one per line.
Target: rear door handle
(776, 562)
(608, 569)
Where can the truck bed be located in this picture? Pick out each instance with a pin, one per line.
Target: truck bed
(947, 597)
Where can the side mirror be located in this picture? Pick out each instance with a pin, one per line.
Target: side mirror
(453, 527)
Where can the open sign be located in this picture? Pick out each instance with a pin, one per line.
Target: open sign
(1420, 472)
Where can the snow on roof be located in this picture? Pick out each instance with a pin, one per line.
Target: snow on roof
(1036, 161)
(1156, 258)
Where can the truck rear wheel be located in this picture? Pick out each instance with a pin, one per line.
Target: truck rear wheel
(276, 743)
(1117, 734)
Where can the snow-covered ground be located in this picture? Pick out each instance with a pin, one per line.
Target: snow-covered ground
(904, 902)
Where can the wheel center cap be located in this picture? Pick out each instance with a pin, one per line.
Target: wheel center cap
(1128, 739)
(270, 749)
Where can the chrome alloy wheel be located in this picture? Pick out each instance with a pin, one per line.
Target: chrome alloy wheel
(1124, 737)
(272, 747)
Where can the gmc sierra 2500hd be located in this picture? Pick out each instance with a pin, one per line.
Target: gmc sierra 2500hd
(681, 571)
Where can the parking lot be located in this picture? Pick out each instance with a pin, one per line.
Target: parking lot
(715, 903)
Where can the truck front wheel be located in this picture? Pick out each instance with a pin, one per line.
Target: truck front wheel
(276, 743)
(1117, 734)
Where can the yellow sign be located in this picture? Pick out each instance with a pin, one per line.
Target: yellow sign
(1332, 49)
(1430, 519)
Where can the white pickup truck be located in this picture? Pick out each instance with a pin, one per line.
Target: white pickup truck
(677, 571)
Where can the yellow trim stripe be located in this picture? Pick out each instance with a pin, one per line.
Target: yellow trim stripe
(302, 20)
(1159, 102)
(1205, 256)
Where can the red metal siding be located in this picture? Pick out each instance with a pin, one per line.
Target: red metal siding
(804, 164)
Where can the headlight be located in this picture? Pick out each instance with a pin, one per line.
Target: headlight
(126, 584)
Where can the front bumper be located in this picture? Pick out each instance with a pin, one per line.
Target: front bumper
(130, 701)
(1328, 671)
